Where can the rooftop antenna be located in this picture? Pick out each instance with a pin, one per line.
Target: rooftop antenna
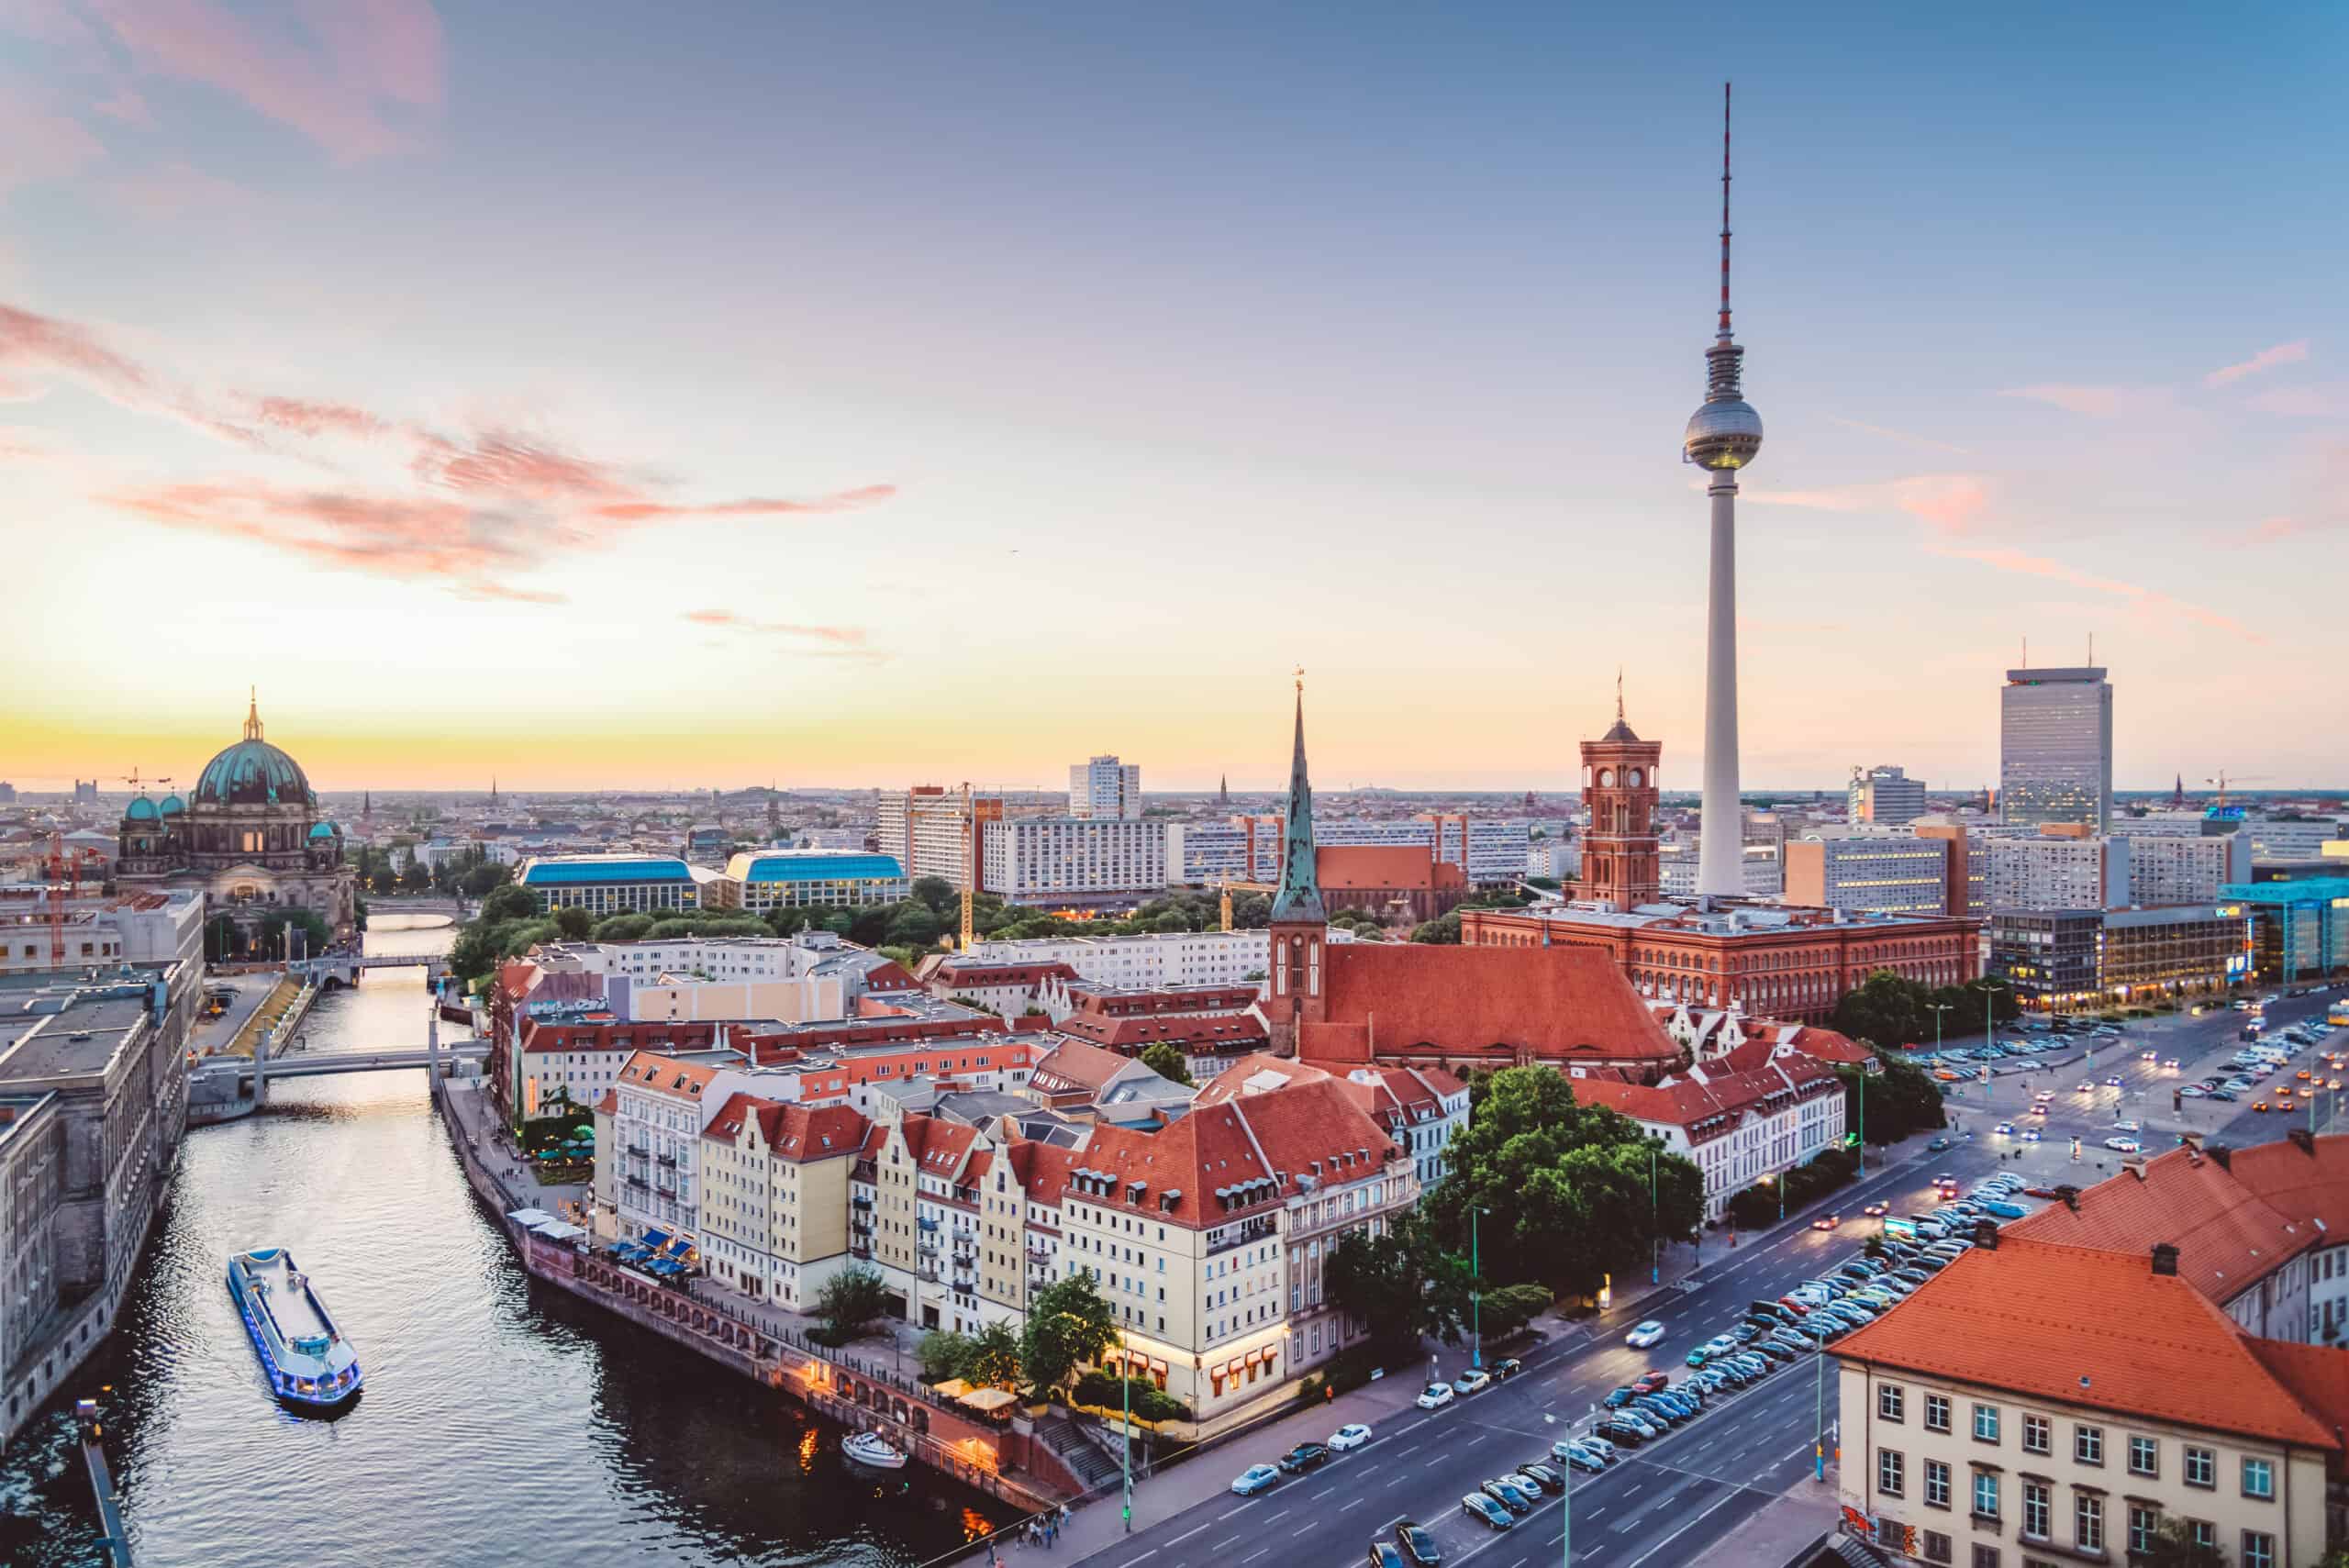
(1724, 331)
(1618, 704)
(2091, 649)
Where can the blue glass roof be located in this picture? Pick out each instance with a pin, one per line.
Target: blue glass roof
(605, 868)
(823, 865)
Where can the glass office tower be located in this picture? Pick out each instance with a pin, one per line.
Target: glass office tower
(2055, 747)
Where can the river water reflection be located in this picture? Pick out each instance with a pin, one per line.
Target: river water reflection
(502, 1422)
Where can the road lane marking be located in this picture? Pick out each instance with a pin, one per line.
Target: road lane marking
(1188, 1534)
(1129, 1562)
(1219, 1545)
(1357, 1503)
(1228, 1512)
(1253, 1555)
(1307, 1529)
(1282, 1515)
(1676, 1534)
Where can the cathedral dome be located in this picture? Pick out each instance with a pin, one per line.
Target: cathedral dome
(254, 773)
(142, 809)
(173, 806)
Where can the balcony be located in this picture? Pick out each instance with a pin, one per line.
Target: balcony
(668, 1193)
(859, 1200)
(668, 1159)
(927, 1224)
(636, 1181)
(638, 1150)
(964, 1230)
(966, 1284)
(929, 1276)
(1246, 1233)
(861, 1250)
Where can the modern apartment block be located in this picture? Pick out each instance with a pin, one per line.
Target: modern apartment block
(2055, 748)
(1885, 794)
(1248, 849)
(1152, 961)
(1895, 873)
(1104, 787)
(2065, 960)
(613, 885)
(2051, 873)
(927, 830)
(1031, 859)
(2174, 868)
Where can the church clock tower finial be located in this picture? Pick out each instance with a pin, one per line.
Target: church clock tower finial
(253, 713)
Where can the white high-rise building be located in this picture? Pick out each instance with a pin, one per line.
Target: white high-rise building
(1104, 787)
(1885, 794)
(2170, 869)
(2055, 748)
(1034, 858)
(2058, 874)
(930, 832)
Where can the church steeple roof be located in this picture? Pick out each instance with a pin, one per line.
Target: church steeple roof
(1299, 897)
(1622, 731)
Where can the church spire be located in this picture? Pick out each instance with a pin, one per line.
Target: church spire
(1299, 897)
(253, 713)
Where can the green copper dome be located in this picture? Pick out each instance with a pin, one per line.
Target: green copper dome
(141, 810)
(173, 806)
(254, 773)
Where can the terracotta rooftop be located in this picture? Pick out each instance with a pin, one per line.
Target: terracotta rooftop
(2017, 1318)
(1556, 1004)
(1075, 1064)
(2227, 1236)
(1224, 1031)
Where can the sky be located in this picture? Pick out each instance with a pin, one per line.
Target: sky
(598, 395)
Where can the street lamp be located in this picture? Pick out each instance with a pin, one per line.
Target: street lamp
(1938, 1009)
(1476, 1295)
(1655, 1223)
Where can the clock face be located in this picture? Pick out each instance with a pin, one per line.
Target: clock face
(1606, 778)
(1632, 778)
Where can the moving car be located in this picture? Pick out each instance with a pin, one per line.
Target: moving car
(1353, 1435)
(1876, 1210)
(1418, 1544)
(1506, 1368)
(1484, 1511)
(1473, 1381)
(2121, 1145)
(1646, 1334)
(1434, 1396)
(1827, 1222)
(1302, 1458)
(1254, 1479)
(2004, 1130)
(1935, 1145)
(1649, 1380)
(2127, 1126)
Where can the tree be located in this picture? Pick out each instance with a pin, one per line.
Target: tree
(851, 1300)
(915, 927)
(944, 1354)
(1068, 1325)
(937, 893)
(2174, 1546)
(995, 1356)
(1444, 929)
(484, 880)
(1382, 1282)
(508, 904)
(1901, 1099)
(416, 878)
(574, 922)
(312, 935)
(1504, 1311)
(221, 939)
(622, 927)
(1165, 1059)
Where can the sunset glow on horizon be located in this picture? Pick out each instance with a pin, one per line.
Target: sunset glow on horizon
(868, 396)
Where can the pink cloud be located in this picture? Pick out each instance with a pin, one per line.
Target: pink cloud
(2096, 402)
(1949, 503)
(2148, 600)
(2307, 402)
(2281, 354)
(355, 76)
(756, 505)
(1903, 437)
(845, 636)
(305, 417)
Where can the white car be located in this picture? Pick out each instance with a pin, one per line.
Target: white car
(1646, 1334)
(2123, 1145)
(1353, 1434)
(1434, 1396)
(2127, 1126)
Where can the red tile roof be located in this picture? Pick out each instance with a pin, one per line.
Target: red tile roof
(1224, 1032)
(666, 1075)
(2090, 1328)
(1557, 1004)
(1074, 1064)
(1349, 868)
(2227, 1236)
(2317, 1376)
(1710, 1102)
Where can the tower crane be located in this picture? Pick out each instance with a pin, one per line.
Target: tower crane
(1230, 885)
(2226, 778)
(59, 866)
(970, 865)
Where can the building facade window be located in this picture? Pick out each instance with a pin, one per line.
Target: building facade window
(2087, 1444)
(1936, 1483)
(2144, 1456)
(2034, 1435)
(2034, 1509)
(1889, 1471)
(2087, 1521)
(1985, 1556)
(2258, 1479)
(1985, 1423)
(1889, 1399)
(1935, 1545)
(1936, 1412)
(2201, 1467)
(1986, 1495)
(2144, 1523)
(2258, 1548)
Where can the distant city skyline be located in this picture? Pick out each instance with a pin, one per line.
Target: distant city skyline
(613, 418)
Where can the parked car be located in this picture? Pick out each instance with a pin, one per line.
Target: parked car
(1542, 1475)
(1254, 1479)
(1616, 1430)
(1577, 1457)
(1383, 1555)
(1644, 1335)
(1434, 1396)
(1651, 1380)
(1353, 1435)
(1506, 1368)
(1473, 1381)
(1302, 1458)
(1418, 1544)
(1484, 1511)
(1510, 1496)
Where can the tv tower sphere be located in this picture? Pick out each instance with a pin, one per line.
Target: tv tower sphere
(1723, 435)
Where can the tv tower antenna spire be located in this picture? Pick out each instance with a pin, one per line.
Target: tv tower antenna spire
(1724, 331)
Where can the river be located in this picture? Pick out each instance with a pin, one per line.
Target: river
(502, 1422)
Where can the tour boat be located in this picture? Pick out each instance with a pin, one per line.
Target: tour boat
(872, 1449)
(309, 1363)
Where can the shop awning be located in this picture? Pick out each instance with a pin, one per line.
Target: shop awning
(989, 1399)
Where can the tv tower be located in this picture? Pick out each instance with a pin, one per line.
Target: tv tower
(1723, 436)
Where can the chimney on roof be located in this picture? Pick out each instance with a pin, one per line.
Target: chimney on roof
(2165, 1259)
(1986, 1235)
(2305, 1139)
(2222, 1154)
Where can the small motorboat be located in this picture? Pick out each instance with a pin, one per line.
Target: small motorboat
(873, 1451)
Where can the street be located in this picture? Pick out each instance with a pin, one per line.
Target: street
(1674, 1500)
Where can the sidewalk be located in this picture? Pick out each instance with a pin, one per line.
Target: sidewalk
(470, 1118)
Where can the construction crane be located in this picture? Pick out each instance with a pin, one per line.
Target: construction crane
(1230, 886)
(2226, 778)
(60, 866)
(970, 866)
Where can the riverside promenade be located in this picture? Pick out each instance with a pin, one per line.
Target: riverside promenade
(1005, 1462)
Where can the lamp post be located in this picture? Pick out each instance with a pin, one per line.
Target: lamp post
(1126, 1434)
(1476, 1295)
(1818, 1411)
(1655, 1223)
(1938, 1009)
